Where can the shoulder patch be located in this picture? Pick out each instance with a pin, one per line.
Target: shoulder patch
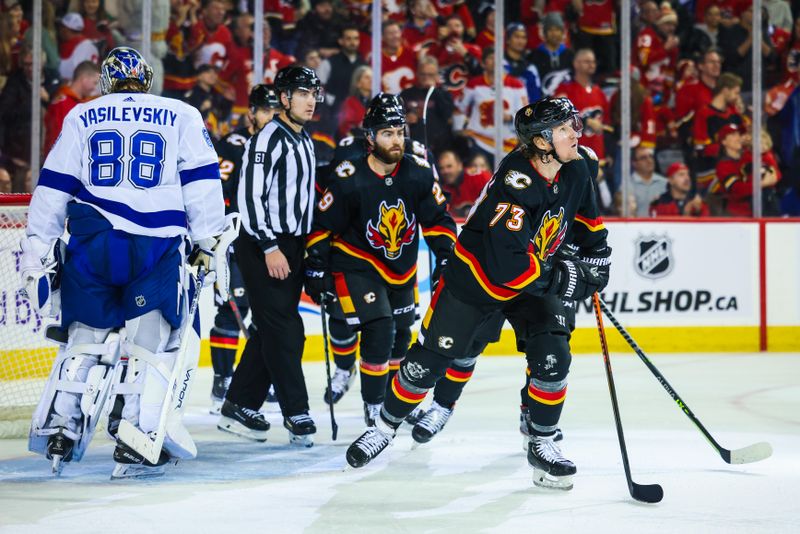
(421, 162)
(517, 180)
(236, 139)
(347, 141)
(345, 169)
(418, 149)
(589, 152)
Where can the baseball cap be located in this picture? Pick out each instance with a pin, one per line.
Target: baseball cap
(675, 168)
(726, 130)
(73, 21)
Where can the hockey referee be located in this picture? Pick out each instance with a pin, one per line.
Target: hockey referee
(276, 200)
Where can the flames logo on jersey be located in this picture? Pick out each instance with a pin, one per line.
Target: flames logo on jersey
(550, 234)
(393, 229)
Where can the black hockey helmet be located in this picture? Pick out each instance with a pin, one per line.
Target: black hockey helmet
(385, 110)
(290, 78)
(265, 96)
(542, 116)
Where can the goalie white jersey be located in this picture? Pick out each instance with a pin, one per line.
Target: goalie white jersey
(144, 162)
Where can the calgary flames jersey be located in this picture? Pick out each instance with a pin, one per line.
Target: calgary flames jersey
(517, 225)
(370, 224)
(230, 150)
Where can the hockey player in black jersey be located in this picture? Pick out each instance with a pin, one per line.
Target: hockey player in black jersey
(365, 240)
(263, 104)
(506, 259)
(343, 339)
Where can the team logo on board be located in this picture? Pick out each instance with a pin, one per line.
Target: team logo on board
(653, 256)
(393, 229)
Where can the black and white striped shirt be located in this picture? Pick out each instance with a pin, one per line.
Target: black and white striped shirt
(276, 185)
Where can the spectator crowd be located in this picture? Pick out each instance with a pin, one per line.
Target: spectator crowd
(691, 105)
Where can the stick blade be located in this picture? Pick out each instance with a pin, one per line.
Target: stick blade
(649, 493)
(139, 441)
(748, 455)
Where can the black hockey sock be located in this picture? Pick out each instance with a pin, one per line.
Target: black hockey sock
(223, 353)
(545, 402)
(448, 389)
(373, 381)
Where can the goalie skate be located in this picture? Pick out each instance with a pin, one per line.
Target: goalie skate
(59, 451)
(130, 464)
(550, 469)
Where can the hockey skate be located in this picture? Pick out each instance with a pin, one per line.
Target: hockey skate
(59, 451)
(550, 468)
(300, 428)
(340, 382)
(243, 422)
(524, 429)
(218, 390)
(370, 444)
(371, 413)
(130, 464)
(414, 417)
(431, 423)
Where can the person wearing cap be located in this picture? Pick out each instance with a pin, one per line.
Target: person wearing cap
(646, 184)
(74, 47)
(676, 201)
(553, 58)
(516, 60)
(213, 106)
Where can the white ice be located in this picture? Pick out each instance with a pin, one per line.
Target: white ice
(471, 478)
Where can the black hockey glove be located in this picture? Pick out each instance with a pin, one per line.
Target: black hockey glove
(436, 275)
(576, 279)
(318, 279)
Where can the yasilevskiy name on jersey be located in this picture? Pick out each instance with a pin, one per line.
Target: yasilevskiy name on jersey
(152, 115)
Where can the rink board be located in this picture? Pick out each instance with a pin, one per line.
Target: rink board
(715, 285)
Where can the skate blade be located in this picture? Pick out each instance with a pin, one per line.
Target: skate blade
(543, 479)
(301, 441)
(137, 472)
(237, 429)
(57, 464)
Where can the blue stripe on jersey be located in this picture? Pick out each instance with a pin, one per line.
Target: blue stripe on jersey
(156, 219)
(206, 172)
(66, 183)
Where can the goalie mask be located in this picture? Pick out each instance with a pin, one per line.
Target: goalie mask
(121, 64)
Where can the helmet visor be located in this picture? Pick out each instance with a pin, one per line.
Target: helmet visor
(318, 93)
(573, 125)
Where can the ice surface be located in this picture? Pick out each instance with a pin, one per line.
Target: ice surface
(471, 478)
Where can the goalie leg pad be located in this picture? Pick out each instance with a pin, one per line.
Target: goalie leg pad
(76, 391)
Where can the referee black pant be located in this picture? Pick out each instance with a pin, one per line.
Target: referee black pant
(274, 352)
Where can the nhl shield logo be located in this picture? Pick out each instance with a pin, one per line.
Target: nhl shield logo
(653, 256)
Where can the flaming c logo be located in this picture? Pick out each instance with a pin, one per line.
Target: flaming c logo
(393, 229)
(550, 234)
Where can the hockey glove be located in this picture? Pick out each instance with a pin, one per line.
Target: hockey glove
(212, 254)
(576, 280)
(40, 270)
(436, 275)
(318, 280)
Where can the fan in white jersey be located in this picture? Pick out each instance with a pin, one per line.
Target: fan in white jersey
(133, 175)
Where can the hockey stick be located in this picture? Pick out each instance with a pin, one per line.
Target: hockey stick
(149, 446)
(238, 314)
(322, 301)
(650, 493)
(425, 138)
(745, 455)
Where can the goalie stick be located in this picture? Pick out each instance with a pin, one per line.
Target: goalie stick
(649, 493)
(149, 446)
(745, 455)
